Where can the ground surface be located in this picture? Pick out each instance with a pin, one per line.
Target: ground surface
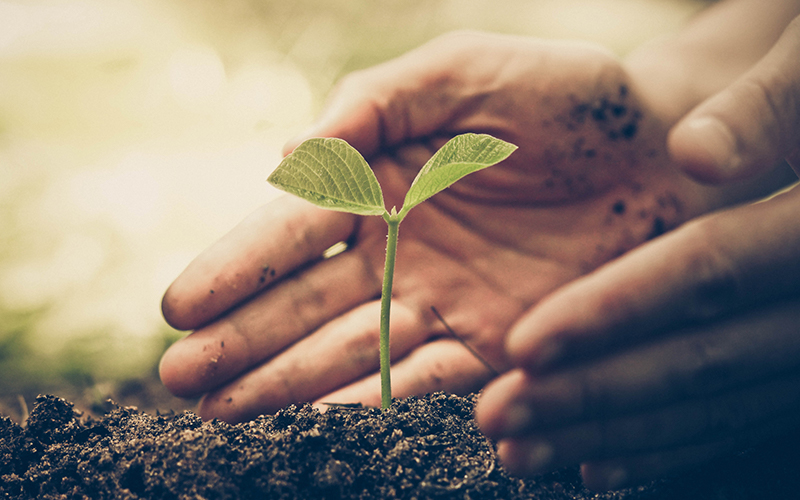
(420, 448)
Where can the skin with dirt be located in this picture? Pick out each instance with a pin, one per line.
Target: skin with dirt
(590, 181)
(420, 448)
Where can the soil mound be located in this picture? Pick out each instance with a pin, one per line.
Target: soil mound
(420, 448)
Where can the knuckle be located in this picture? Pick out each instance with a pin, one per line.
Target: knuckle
(182, 310)
(308, 298)
(715, 284)
(173, 314)
(708, 368)
(185, 370)
(776, 108)
(774, 94)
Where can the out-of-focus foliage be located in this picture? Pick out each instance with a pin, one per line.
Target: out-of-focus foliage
(133, 133)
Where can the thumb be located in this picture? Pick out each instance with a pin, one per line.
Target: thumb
(749, 126)
(408, 97)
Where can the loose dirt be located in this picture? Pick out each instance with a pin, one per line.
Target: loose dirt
(420, 448)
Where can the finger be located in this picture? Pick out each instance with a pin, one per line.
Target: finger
(709, 267)
(696, 363)
(750, 125)
(440, 365)
(258, 330)
(341, 351)
(267, 245)
(638, 469)
(688, 423)
(409, 97)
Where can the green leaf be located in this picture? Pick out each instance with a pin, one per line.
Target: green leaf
(330, 173)
(461, 156)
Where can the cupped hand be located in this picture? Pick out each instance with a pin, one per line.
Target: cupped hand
(687, 347)
(747, 127)
(276, 323)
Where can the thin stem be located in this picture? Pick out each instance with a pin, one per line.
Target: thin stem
(386, 303)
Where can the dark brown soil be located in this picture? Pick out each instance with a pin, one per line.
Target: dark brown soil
(420, 448)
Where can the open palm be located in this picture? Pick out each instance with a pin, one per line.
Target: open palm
(276, 323)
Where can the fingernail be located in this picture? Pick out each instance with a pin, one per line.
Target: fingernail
(717, 140)
(539, 457)
(518, 418)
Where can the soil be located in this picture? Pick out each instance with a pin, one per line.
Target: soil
(420, 448)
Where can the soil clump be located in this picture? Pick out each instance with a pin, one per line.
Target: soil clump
(420, 448)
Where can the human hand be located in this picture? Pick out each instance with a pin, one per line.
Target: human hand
(276, 324)
(749, 126)
(685, 348)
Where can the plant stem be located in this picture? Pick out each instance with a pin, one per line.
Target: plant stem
(386, 304)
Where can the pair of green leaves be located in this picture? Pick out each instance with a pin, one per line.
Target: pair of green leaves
(332, 174)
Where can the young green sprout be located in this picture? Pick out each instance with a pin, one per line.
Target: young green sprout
(332, 174)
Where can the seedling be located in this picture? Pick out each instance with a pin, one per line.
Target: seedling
(332, 174)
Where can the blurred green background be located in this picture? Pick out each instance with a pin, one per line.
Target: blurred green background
(134, 133)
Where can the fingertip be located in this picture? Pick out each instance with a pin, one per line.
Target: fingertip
(525, 457)
(501, 411)
(509, 458)
(534, 352)
(491, 410)
(192, 300)
(705, 148)
(532, 343)
(202, 361)
(172, 373)
(520, 341)
(291, 145)
(221, 406)
(238, 402)
(174, 314)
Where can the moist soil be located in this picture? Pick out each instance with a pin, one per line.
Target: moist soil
(420, 448)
